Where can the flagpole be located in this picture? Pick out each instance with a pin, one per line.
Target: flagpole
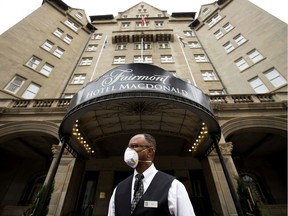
(142, 45)
(143, 23)
(181, 43)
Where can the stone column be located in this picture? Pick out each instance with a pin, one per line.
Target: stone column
(61, 181)
(219, 192)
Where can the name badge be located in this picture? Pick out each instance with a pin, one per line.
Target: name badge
(151, 204)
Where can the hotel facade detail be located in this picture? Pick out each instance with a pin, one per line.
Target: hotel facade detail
(194, 82)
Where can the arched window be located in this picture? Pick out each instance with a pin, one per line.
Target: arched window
(254, 188)
(32, 189)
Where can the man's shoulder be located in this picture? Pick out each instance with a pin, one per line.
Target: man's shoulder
(162, 174)
(126, 180)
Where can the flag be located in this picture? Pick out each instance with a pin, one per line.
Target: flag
(143, 21)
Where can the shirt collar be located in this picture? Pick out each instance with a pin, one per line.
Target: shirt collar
(148, 172)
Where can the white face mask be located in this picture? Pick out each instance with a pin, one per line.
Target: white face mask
(131, 157)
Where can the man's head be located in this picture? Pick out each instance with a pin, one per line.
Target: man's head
(145, 146)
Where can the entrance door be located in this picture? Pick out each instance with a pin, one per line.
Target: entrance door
(87, 197)
(200, 197)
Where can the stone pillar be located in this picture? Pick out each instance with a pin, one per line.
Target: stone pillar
(61, 181)
(219, 192)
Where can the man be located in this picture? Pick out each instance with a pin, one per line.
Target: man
(160, 194)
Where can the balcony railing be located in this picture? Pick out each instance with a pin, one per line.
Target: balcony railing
(215, 99)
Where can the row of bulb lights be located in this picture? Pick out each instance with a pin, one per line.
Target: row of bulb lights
(202, 136)
(81, 140)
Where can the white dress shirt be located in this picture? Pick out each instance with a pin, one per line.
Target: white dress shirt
(178, 200)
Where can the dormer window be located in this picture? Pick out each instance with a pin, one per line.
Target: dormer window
(79, 15)
(206, 11)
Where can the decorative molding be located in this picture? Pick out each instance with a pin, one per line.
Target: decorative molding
(225, 148)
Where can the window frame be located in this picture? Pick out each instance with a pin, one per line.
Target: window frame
(255, 56)
(241, 64)
(14, 85)
(72, 25)
(86, 61)
(33, 62)
(78, 79)
(215, 19)
(239, 39)
(119, 60)
(259, 85)
(228, 47)
(146, 59)
(209, 75)
(200, 58)
(47, 45)
(58, 52)
(274, 79)
(29, 92)
(166, 59)
(46, 72)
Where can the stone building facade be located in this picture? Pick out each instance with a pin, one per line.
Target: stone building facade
(233, 51)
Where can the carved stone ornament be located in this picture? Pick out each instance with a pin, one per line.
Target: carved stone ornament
(56, 149)
(225, 148)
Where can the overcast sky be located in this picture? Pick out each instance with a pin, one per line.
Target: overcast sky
(12, 11)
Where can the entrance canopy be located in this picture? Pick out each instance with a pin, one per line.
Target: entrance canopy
(139, 98)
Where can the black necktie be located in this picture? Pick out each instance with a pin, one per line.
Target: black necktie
(138, 191)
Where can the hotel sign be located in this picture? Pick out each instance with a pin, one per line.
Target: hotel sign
(139, 78)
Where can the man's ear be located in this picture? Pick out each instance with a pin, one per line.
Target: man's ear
(151, 152)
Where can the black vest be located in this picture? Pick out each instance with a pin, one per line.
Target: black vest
(157, 191)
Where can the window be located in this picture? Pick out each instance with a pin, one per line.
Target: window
(47, 45)
(15, 84)
(208, 75)
(96, 36)
(188, 33)
(241, 64)
(159, 23)
(239, 39)
(166, 59)
(58, 52)
(72, 25)
(200, 58)
(256, 192)
(258, 86)
(228, 47)
(78, 79)
(86, 61)
(33, 62)
(145, 59)
(58, 32)
(125, 24)
(145, 46)
(228, 27)
(216, 92)
(68, 39)
(218, 34)
(275, 78)
(206, 11)
(164, 45)
(46, 69)
(121, 46)
(119, 60)
(79, 15)
(255, 56)
(31, 91)
(214, 20)
(194, 44)
(92, 47)
(68, 96)
(139, 24)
